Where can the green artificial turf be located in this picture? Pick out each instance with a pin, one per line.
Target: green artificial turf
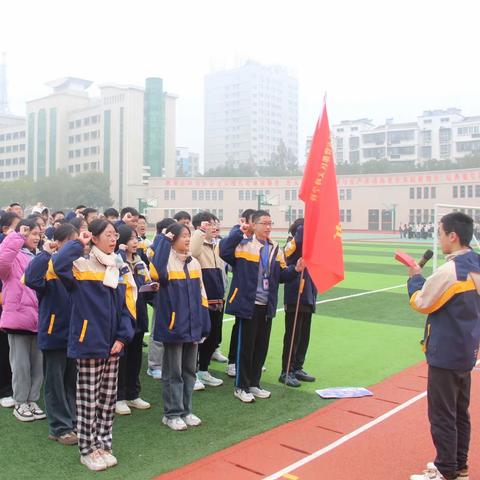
(354, 342)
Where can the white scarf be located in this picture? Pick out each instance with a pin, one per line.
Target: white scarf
(112, 263)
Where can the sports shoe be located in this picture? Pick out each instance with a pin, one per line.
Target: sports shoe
(175, 423)
(69, 438)
(155, 373)
(462, 474)
(243, 396)
(303, 376)
(138, 403)
(108, 458)
(431, 473)
(23, 413)
(7, 402)
(231, 370)
(93, 461)
(37, 412)
(209, 380)
(260, 392)
(289, 380)
(218, 356)
(199, 385)
(264, 368)
(192, 420)
(121, 408)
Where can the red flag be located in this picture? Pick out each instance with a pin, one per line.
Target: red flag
(322, 238)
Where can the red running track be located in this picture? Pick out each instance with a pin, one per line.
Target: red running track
(392, 449)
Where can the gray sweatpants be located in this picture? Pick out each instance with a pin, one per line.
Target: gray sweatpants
(155, 352)
(27, 367)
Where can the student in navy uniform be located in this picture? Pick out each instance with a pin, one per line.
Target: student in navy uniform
(451, 298)
(111, 214)
(155, 349)
(53, 326)
(131, 362)
(181, 322)
(128, 216)
(8, 220)
(57, 219)
(308, 299)
(102, 323)
(258, 268)
(245, 219)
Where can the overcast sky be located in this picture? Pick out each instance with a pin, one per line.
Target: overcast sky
(375, 59)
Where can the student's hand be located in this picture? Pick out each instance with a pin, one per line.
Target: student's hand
(122, 247)
(169, 235)
(207, 227)
(128, 217)
(156, 287)
(85, 238)
(300, 266)
(415, 270)
(117, 348)
(50, 246)
(244, 227)
(24, 231)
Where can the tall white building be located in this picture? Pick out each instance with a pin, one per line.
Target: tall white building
(436, 134)
(249, 110)
(128, 133)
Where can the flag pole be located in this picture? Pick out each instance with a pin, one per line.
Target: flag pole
(300, 291)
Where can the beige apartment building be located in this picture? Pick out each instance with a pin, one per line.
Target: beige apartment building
(375, 202)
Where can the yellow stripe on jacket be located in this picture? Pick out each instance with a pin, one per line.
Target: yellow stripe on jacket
(456, 288)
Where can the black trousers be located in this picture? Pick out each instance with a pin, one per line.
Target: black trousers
(254, 337)
(5, 371)
(300, 342)
(129, 369)
(232, 352)
(448, 401)
(206, 349)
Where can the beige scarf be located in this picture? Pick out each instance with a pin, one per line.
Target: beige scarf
(112, 263)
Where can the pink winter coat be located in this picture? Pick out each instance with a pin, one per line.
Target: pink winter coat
(20, 304)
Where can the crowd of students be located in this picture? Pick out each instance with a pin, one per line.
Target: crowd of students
(75, 294)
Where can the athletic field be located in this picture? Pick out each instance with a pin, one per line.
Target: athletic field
(363, 332)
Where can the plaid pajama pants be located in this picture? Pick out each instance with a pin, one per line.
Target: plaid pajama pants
(96, 398)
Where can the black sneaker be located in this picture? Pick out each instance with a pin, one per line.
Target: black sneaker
(303, 376)
(289, 380)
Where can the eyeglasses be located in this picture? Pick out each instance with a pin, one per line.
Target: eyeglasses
(111, 236)
(265, 224)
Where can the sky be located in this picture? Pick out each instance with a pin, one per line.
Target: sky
(373, 59)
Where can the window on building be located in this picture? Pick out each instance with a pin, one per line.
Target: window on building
(172, 194)
(194, 195)
(207, 194)
(214, 195)
(93, 165)
(411, 216)
(86, 121)
(86, 136)
(70, 169)
(78, 124)
(455, 191)
(419, 192)
(477, 191)
(166, 194)
(342, 215)
(86, 152)
(348, 217)
(77, 167)
(342, 194)
(201, 195)
(241, 195)
(349, 193)
(426, 192)
(78, 138)
(71, 139)
(71, 154)
(433, 192)
(419, 216)
(287, 195)
(8, 162)
(85, 167)
(247, 194)
(220, 195)
(470, 191)
(220, 214)
(425, 216)
(462, 191)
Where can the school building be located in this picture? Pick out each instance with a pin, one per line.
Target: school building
(375, 202)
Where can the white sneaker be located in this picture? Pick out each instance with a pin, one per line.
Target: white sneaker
(108, 458)
(121, 408)
(23, 413)
(231, 370)
(93, 461)
(260, 392)
(198, 385)
(191, 420)
(138, 403)
(218, 356)
(431, 473)
(155, 373)
(209, 380)
(7, 402)
(37, 412)
(175, 423)
(243, 396)
(264, 368)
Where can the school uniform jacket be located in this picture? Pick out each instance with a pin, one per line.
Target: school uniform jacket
(54, 307)
(293, 251)
(212, 266)
(243, 254)
(181, 306)
(451, 298)
(100, 314)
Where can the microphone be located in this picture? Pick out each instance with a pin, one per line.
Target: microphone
(426, 257)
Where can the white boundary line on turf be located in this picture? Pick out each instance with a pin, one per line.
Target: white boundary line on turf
(230, 319)
(346, 438)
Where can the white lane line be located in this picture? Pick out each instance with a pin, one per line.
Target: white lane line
(230, 319)
(346, 438)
